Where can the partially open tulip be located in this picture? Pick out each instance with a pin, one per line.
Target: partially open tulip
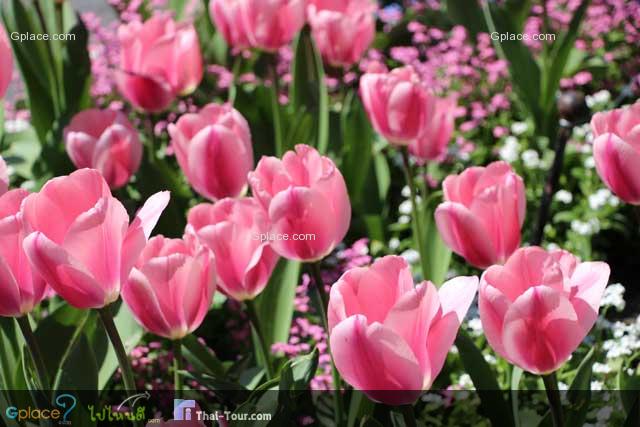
(397, 104)
(539, 306)
(213, 148)
(272, 24)
(6, 62)
(20, 289)
(482, 214)
(106, 141)
(159, 60)
(342, 30)
(236, 230)
(307, 203)
(616, 150)
(82, 243)
(390, 339)
(171, 288)
(437, 132)
(4, 177)
(228, 20)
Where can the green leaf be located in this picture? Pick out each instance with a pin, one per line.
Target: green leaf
(516, 376)
(275, 305)
(359, 407)
(11, 344)
(519, 11)
(21, 151)
(308, 90)
(492, 400)
(438, 254)
(202, 357)
(297, 373)
(579, 394)
(629, 385)
(467, 14)
(77, 71)
(357, 140)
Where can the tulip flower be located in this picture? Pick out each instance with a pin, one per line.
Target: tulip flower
(171, 287)
(82, 243)
(539, 306)
(106, 141)
(389, 339)
(271, 24)
(482, 214)
(432, 143)
(236, 230)
(4, 177)
(20, 289)
(6, 62)
(397, 104)
(616, 150)
(159, 60)
(228, 20)
(214, 151)
(342, 30)
(307, 203)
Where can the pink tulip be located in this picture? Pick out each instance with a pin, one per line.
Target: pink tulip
(106, 141)
(159, 60)
(6, 62)
(616, 150)
(83, 245)
(482, 214)
(389, 339)
(397, 104)
(4, 177)
(271, 24)
(539, 306)
(213, 148)
(432, 143)
(307, 203)
(228, 20)
(171, 287)
(235, 230)
(20, 290)
(342, 30)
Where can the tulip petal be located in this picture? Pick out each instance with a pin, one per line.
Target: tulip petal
(588, 283)
(541, 330)
(9, 291)
(493, 306)
(617, 164)
(139, 295)
(376, 360)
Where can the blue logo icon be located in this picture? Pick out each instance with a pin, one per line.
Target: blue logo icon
(184, 410)
(69, 405)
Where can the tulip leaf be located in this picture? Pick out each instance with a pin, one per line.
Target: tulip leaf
(492, 400)
(202, 357)
(629, 384)
(359, 407)
(297, 373)
(275, 305)
(10, 343)
(308, 90)
(436, 263)
(466, 13)
(579, 394)
(516, 376)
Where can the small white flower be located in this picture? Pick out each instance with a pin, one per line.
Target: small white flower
(552, 247)
(406, 192)
(601, 368)
(476, 326)
(518, 128)
(562, 386)
(509, 151)
(490, 359)
(404, 219)
(15, 126)
(564, 196)
(405, 207)
(394, 243)
(598, 99)
(411, 256)
(531, 159)
(614, 297)
(600, 198)
(589, 162)
(465, 382)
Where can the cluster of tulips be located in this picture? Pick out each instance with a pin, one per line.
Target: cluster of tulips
(388, 336)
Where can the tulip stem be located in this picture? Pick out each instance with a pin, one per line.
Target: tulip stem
(34, 351)
(262, 343)
(323, 302)
(409, 415)
(177, 367)
(551, 387)
(233, 89)
(70, 347)
(123, 360)
(551, 184)
(415, 210)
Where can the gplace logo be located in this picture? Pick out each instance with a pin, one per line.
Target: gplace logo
(66, 402)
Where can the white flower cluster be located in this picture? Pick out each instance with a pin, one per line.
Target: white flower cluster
(614, 297)
(586, 228)
(563, 196)
(598, 99)
(625, 341)
(601, 198)
(509, 151)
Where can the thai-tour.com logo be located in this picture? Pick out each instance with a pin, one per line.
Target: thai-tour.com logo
(65, 404)
(188, 410)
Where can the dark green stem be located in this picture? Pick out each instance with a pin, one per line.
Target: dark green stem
(233, 89)
(322, 301)
(415, 210)
(275, 106)
(409, 415)
(177, 367)
(551, 387)
(123, 360)
(262, 347)
(67, 353)
(34, 351)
